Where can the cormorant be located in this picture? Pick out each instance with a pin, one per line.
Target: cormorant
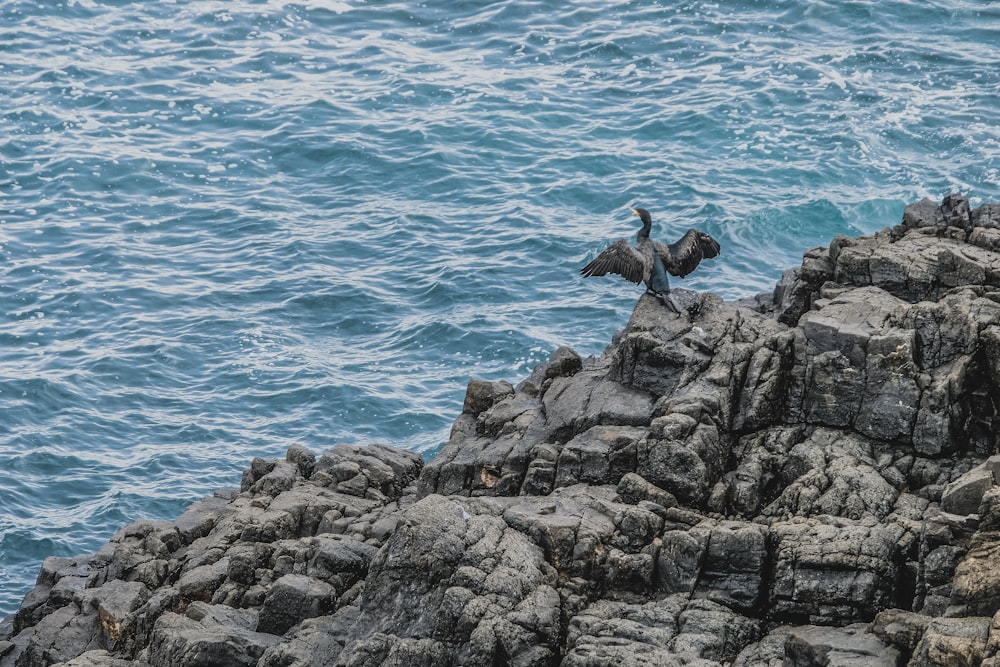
(649, 261)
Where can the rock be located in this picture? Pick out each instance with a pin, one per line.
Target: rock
(925, 213)
(316, 642)
(964, 495)
(952, 641)
(294, 598)
(481, 395)
(464, 579)
(850, 646)
(563, 363)
(976, 583)
(600, 455)
(99, 658)
(835, 573)
(206, 635)
(632, 488)
(115, 601)
(673, 631)
(304, 460)
(58, 636)
(769, 651)
(742, 483)
(380, 471)
(902, 629)
(734, 562)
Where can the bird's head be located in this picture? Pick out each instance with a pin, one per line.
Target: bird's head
(643, 215)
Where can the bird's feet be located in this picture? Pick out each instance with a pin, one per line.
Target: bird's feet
(668, 300)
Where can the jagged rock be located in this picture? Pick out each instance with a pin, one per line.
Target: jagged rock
(384, 471)
(632, 488)
(714, 481)
(316, 642)
(207, 635)
(734, 564)
(564, 362)
(58, 636)
(964, 495)
(952, 641)
(672, 631)
(600, 455)
(902, 629)
(450, 576)
(835, 572)
(976, 583)
(99, 658)
(270, 478)
(481, 395)
(294, 598)
(851, 646)
(769, 651)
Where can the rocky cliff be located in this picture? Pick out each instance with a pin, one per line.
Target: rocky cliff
(803, 479)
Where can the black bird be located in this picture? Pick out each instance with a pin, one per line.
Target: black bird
(649, 261)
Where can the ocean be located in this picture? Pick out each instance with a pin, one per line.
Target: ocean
(227, 227)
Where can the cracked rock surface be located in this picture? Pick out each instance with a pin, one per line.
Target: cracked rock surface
(811, 481)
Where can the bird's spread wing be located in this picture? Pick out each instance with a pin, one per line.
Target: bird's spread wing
(620, 258)
(682, 257)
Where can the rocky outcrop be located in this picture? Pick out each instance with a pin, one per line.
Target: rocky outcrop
(811, 481)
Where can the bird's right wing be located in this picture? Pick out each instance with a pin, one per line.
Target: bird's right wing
(620, 258)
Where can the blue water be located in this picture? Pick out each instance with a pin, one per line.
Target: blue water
(229, 227)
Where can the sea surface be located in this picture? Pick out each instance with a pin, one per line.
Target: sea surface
(227, 227)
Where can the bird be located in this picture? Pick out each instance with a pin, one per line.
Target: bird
(649, 261)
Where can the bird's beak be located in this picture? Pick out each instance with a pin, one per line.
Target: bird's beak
(634, 212)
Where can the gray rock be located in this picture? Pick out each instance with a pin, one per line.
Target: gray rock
(975, 588)
(481, 395)
(294, 598)
(632, 488)
(304, 460)
(769, 651)
(57, 637)
(386, 471)
(835, 473)
(316, 642)
(199, 519)
(713, 475)
(270, 478)
(964, 495)
(207, 636)
(901, 629)
(600, 455)
(674, 467)
(925, 213)
(835, 573)
(452, 576)
(564, 362)
(99, 658)
(734, 564)
(952, 641)
(200, 583)
(850, 646)
(672, 631)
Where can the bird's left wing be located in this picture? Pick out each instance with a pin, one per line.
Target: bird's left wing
(682, 257)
